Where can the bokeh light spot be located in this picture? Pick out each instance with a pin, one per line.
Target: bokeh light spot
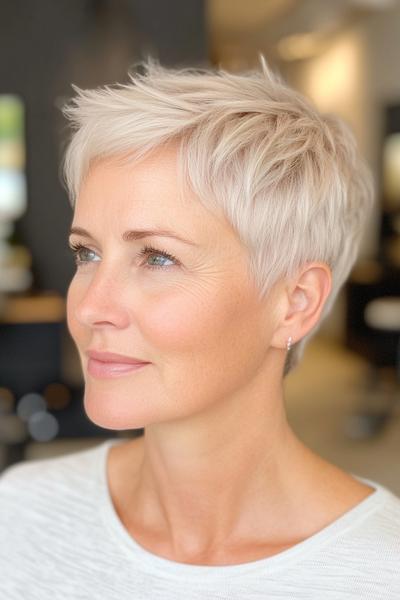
(7, 401)
(43, 427)
(57, 396)
(29, 404)
(12, 430)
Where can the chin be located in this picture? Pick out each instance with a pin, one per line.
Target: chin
(118, 411)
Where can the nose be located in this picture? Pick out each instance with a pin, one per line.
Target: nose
(99, 301)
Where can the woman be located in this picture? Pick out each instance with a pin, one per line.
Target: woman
(216, 216)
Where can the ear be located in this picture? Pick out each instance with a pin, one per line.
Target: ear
(304, 298)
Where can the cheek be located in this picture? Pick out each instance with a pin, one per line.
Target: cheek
(206, 348)
(174, 324)
(184, 324)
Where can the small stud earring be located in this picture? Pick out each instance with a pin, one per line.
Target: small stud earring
(289, 343)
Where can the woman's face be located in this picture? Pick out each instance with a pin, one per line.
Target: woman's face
(195, 318)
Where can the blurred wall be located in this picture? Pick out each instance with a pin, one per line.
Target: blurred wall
(357, 76)
(45, 46)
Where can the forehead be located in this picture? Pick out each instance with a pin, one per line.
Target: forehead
(144, 193)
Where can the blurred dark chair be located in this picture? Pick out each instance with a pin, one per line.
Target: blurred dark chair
(30, 359)
(373, 331)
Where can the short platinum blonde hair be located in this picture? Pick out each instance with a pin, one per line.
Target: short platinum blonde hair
(289, 180)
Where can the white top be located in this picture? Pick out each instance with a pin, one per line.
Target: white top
(61, 538)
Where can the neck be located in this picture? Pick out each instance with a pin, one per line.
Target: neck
(213, 481)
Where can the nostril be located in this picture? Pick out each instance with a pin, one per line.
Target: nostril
(97, 300)
(101, 312)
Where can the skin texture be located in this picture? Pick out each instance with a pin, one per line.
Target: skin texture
(219, 476)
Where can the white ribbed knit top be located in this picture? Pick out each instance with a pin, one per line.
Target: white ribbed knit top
(61, 539)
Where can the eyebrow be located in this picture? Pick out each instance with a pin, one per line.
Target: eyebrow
(137, 234)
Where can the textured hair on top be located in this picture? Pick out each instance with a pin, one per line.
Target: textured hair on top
(288, 179)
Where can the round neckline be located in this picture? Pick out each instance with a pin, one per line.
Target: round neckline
(166, 567)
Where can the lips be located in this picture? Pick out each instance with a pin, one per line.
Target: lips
(109, 364)
(112, 357)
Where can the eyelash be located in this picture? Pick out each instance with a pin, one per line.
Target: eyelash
(77, 247)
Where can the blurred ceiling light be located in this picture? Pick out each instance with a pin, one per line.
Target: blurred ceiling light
(228, 16)
(313, 23)
(299, 46)
(335, 78)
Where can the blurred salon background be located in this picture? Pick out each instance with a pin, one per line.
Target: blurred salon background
(344, 398)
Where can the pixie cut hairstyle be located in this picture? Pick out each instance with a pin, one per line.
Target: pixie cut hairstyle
(288, 179)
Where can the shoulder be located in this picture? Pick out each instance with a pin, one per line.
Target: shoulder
(37, 485)
(49, 519)
(371, 540)
(383, 525)
(384, 508)
(53, 466)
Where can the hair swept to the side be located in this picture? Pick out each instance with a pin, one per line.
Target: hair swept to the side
(289, 179)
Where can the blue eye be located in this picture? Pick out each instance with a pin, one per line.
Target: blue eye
(150, 251)
(83, 255)
(79, 251)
